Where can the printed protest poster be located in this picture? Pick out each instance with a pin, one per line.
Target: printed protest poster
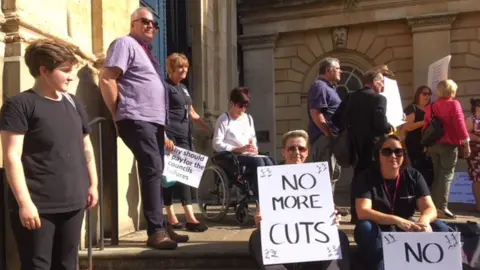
(297, 209)
(438, 71)
(394, 103)
(461, 189)
(422, 251)
(184, 166)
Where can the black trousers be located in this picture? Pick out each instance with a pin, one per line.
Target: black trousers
(53, 246)
(252, 163)
(184, 192)
(146, 141)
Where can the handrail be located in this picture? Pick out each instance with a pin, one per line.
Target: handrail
(99, 121)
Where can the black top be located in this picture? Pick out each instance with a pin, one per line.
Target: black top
(53, 155)
(367, 122)
(180, 102)
(370, 185)
(414, 137)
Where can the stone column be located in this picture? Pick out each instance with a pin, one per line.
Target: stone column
(431, 42)
(259, 68)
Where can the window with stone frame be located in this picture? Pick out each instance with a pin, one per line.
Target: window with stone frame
(351, 80)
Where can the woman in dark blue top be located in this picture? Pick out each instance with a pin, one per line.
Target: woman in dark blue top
(179, 133)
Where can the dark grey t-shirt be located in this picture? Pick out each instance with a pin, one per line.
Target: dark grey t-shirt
(53, 155)
(141, 91)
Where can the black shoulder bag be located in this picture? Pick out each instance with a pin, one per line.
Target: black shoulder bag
(434, 131)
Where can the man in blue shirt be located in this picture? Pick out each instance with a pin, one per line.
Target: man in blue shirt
(323, 101)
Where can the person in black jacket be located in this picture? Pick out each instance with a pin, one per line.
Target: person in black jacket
(366, 119)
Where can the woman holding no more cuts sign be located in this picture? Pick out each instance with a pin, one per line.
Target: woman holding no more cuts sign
(179, 133)
(295, 151)
(387, 195)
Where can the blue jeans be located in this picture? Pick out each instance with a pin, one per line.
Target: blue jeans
(368, 237)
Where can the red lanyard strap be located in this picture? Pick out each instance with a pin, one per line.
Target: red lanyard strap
(393, 199)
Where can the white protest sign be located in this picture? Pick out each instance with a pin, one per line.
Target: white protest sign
(422, 251)
(394, 103)
(184, 166)
(461, 189)
(297, 209)
(438, 71)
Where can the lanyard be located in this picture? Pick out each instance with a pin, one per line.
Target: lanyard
(393, 199)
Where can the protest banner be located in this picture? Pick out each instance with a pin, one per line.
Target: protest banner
(422, 251)
(297, 209)
(438, 71)
(461, 189)
(184, 166)
(394, 103)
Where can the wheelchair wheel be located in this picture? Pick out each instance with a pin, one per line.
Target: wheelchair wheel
(213, 193)
(242, 214)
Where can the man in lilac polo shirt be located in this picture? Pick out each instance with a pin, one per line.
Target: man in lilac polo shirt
(134, 93)
(323, 101)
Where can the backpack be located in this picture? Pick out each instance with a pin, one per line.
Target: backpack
(434, 130)
(343, 148)
(248, 115)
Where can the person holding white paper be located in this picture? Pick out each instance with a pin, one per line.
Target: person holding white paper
(295, 151)
(387, 195)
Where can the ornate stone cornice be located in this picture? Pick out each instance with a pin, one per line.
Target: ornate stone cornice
(14, 24)
(258, 42)
(431, 22)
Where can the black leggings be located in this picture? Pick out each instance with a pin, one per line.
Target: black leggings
(184, 192)
(54, 245)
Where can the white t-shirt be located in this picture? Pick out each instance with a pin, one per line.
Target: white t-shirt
(233, 133)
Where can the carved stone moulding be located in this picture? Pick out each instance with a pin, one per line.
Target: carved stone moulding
(17, 29)
(429, 22)
(257, 42)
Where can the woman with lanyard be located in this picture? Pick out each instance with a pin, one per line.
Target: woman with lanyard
(387, 195)
(179, 133)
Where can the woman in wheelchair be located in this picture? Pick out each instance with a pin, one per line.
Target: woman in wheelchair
(235, 133)
(295, 151)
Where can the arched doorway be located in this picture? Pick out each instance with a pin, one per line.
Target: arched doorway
(351, 80)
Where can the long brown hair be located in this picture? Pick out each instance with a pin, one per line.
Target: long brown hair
(418, 92)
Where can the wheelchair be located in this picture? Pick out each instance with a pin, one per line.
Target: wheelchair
(225, 184)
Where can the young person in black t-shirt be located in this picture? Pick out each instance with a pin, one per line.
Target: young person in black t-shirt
(387, 195)
(49, 161)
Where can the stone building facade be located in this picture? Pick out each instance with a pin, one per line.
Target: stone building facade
(210, 34)
(283, 42)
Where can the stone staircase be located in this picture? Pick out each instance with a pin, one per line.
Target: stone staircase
(223, 246)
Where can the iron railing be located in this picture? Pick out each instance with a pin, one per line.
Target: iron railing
(114, 206)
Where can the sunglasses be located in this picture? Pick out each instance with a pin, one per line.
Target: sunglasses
(426, 94)
(397, 152)
(146, 21)
(294, 148)
(242, 105)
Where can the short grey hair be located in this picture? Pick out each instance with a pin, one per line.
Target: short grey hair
(327, 63)
(294, 134)
(137, 11)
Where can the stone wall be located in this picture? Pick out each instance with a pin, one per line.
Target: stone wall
(297, 58)
(465, 63)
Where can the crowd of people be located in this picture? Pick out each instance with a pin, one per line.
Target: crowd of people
(51, 169)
